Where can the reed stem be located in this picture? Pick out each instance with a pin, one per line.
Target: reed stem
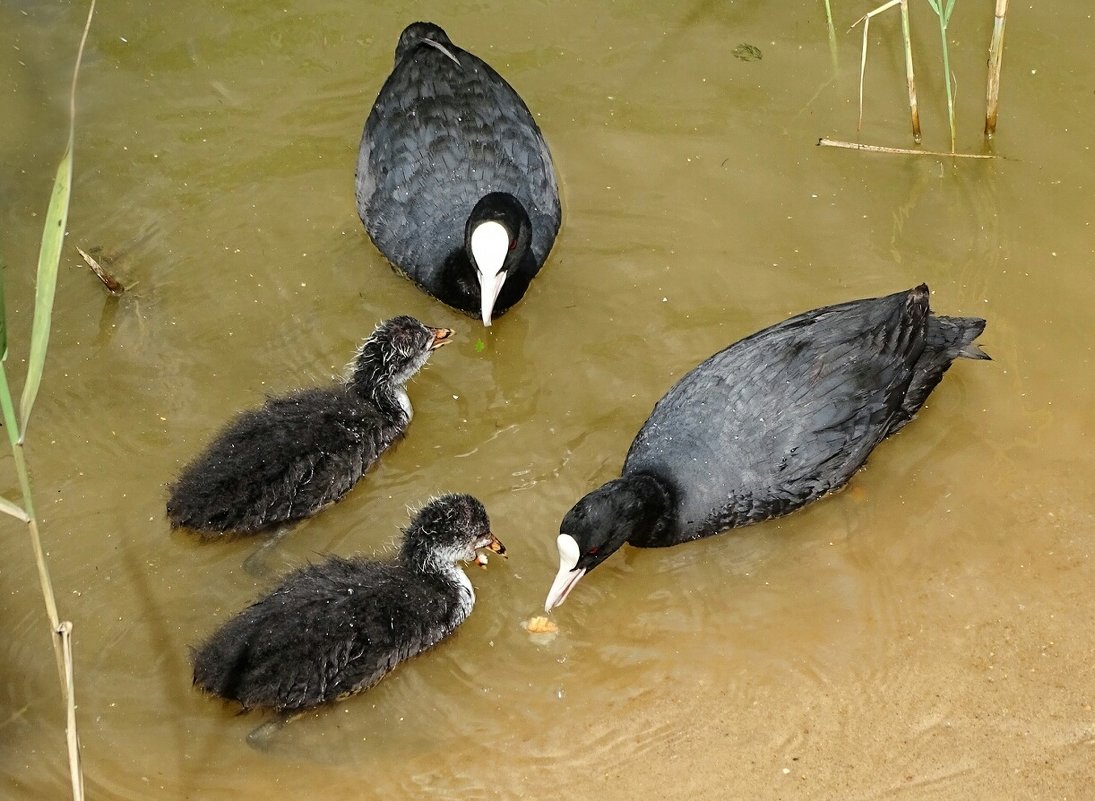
(49, 257)
(914, 109)
(943, 10)
(832, 35)
(996, 58)
(75, 768)
(866, 20)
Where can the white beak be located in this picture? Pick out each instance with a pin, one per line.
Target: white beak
(489, 248)
(568, 574)
(490, 287)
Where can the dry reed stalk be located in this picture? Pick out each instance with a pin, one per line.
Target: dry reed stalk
(996, 58)
(914, 109)
(75, 769)
(904, 151)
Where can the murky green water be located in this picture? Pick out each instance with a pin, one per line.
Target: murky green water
(926, 634)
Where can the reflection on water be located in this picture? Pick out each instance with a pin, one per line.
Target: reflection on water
(918, 635)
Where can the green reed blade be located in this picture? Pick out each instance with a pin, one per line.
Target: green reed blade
(49, 257)
(944, 11)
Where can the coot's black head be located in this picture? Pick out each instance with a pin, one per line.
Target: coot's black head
(426, 33)
(497, 238)
(599, 524)
(394, 352)
(448, 530)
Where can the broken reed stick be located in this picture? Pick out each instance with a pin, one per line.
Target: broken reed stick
(112, 284)
(996, 57)
(904, 151)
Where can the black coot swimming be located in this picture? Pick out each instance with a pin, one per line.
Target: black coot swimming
(298, 453)
(338, 627)
(767, 425)
(455, 184)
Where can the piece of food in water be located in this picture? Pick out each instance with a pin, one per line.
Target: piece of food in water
(540, 625)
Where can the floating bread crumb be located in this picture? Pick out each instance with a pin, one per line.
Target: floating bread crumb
(540, 625)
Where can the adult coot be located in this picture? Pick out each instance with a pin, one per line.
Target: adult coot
(338, 627)
(298, 453)
(767, 425)
(455, 184)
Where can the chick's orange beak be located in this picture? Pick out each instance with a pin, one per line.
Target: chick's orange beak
(441, 336)
(496, 546)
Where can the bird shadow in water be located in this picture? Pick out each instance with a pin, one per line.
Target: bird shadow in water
(257, 564)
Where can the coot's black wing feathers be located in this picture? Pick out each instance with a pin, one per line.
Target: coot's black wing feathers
(440, 136)
(328, 630)
(282, 461)
(783, 416)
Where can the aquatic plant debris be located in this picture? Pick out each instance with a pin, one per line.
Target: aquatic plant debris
(747, 52)
(112, 284)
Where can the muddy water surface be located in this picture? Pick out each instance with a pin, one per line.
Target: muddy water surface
(927, 633)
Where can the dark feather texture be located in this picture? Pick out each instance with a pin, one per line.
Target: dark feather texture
(445, 132)
(767, 425)
(792, 412)
(338, 627)
(298, 453)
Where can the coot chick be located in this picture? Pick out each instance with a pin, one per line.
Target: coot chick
(767, 425)
(455, 184)
(300, 452)
(338, 627)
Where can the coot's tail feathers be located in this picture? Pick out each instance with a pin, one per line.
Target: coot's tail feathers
(972, 351)
(945, 339)
(954, 336)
